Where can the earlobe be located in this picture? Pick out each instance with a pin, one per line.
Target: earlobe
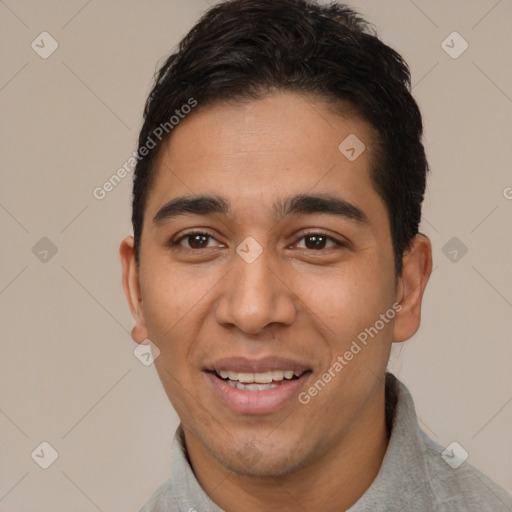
(132, 290)
(417, 266)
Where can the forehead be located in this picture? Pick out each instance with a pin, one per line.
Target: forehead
(260, 151)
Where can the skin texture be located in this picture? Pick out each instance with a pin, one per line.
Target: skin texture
(293, 301)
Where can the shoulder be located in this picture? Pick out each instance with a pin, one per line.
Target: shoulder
(161, 500)
(463, 487)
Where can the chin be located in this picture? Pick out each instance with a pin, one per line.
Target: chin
(263, 462)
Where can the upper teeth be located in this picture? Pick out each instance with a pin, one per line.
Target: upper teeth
(260, 378)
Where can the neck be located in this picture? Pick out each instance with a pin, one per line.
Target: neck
(332, 483)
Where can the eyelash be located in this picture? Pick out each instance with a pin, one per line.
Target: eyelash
(177, 242)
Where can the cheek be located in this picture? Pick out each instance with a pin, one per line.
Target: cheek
(165, 305)
(347, 308)
(176, 302)
(170, 294)
(350, 298)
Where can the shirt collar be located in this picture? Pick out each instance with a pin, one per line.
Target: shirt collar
(403, 476)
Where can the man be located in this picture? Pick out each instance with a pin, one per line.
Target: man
(275, 259)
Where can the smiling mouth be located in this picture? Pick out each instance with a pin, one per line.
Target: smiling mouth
(262, 381)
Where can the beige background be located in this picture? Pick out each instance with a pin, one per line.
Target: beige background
(68, 375)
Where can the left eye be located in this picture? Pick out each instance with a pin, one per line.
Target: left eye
(312, 241)
(317, 241)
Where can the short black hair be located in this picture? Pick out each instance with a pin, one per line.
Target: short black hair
(247, 49)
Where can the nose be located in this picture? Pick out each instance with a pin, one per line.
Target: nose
(255, 295)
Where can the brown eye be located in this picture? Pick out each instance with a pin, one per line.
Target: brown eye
(198, 241)
(195, 240)
(318, 241)
(315, 241)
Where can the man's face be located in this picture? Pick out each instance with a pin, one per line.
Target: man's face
(261, 292)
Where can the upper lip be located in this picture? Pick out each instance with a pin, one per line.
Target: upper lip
(245, 365)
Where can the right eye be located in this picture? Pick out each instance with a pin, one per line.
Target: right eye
(196, 240)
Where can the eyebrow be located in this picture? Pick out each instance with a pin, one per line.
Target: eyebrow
(302, 204)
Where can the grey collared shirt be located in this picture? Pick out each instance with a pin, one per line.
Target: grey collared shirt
(414, 476)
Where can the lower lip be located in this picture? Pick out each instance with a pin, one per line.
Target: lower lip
(256, 402)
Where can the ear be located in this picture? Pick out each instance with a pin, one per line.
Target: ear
(131, 287)
(417, 266)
